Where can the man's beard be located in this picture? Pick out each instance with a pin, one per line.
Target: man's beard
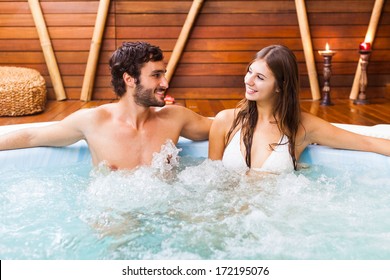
(146, 97)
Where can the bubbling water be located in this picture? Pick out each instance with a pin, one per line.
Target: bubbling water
(167, 159)
(186, 208)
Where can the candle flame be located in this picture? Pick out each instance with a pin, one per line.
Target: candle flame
(327, 46)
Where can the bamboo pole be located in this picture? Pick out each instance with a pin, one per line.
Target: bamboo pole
(47, 49)
(181, 41)
(370, 35)
(93, 57)
(308, 48)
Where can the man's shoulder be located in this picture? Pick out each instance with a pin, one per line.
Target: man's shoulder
(103, 110)
(172, 110)
(93, 114)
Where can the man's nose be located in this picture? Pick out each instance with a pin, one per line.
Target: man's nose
(164, 82)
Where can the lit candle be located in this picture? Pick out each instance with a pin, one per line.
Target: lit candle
(327, 47)
(365, 46)
(327, 51)
(327, 54)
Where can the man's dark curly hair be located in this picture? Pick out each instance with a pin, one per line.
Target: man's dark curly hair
(130, 58)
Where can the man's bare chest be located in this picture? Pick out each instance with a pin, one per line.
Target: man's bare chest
(128, 148)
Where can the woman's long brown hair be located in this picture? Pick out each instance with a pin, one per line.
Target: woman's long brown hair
(282, 62)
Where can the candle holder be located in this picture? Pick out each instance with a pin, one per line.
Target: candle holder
(364, 56)
(327, 55)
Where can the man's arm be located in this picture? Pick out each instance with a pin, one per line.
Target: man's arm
(63, 133)
(196, 127)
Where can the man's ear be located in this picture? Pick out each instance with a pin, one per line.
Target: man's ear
(129, 80)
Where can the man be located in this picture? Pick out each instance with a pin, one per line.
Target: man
(127, 133)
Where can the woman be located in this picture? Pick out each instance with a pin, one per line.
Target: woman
(267, 131)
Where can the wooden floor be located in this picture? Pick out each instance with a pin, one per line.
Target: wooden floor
(343, 110)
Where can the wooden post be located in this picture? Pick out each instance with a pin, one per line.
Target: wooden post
(47, 48)
(308, 48)
(93, 57)
(370, 35)
(181, 41)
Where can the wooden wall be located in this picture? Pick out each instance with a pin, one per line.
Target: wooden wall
(224, 39)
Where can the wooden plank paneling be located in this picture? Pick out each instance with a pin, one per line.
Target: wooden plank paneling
(54, 32)
(58, 45)
(226, 36)
(26, 20)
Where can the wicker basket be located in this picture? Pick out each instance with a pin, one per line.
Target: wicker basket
(22, 91)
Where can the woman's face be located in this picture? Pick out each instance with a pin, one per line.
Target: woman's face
(260, 82)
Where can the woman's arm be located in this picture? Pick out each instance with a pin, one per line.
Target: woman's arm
(220, 127)
(324, 133)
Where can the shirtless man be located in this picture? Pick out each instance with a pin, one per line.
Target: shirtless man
(127, 133)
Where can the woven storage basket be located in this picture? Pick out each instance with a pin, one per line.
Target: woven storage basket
(22, 91)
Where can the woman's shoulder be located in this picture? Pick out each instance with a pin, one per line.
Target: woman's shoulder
(311, 121)
(315, 128)
(224, 120)
(225, 115)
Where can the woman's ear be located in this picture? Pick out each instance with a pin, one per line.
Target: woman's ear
(277, 88)
(129, 80)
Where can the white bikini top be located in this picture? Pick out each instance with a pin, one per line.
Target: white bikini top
(279, 161)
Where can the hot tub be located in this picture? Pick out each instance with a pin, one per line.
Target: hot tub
(55, 205)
